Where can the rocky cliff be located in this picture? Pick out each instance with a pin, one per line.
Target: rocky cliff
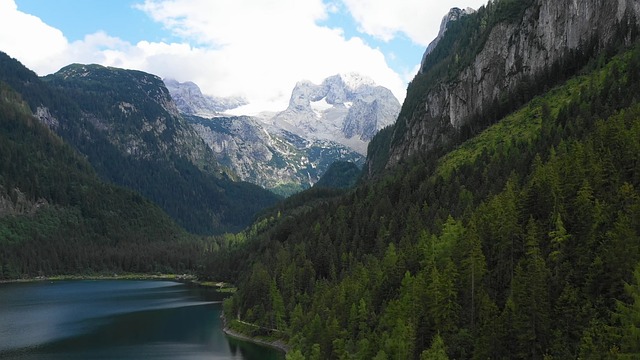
(470, 75)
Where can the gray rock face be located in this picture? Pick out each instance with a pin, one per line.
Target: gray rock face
(190, 100)
(44, 115)
(15, 202)
(347, 109)
(267, 156)
(548, 32)
(453, 15)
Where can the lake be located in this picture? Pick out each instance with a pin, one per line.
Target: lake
(116, 319)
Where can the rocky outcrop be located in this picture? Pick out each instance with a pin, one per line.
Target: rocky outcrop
(44, 115)
(15, 203)
(514, 51)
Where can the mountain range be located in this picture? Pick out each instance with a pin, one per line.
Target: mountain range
(289, 151)
(348, 109)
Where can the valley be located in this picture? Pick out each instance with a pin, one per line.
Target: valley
(494, 214)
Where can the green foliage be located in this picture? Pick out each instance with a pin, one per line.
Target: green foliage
(515, 245)
(628, 317)
(437, 351)
(340, 175)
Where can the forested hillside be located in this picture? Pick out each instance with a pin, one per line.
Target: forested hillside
(125, 124)
(57, 217)
(521, 243)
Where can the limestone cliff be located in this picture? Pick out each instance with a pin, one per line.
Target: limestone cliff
(517, 45)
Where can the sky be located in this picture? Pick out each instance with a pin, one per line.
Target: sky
(257, 49)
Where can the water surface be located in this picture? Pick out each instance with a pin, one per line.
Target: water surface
(116, 319)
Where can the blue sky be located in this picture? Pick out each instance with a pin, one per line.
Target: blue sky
(251, 48)
(77, 18)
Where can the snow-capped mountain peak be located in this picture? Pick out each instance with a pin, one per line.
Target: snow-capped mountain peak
(345, 108)
(353, 81)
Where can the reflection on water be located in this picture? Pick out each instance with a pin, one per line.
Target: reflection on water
(116, 320)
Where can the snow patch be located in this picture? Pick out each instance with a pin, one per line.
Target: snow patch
(320, 107)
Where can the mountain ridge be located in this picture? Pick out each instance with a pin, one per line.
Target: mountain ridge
(57, 217)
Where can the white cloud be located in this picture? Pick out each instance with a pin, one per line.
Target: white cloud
(255, 48)
(418, 19)
(27, 38)
(260, 49)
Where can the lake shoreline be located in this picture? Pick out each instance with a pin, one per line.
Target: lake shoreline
(277, 344)
(184, 278)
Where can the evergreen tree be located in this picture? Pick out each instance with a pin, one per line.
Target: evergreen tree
(530, 292)
(437, 351)
(627, 314)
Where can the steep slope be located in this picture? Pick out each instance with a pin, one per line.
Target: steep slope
(273, 158)
(348, 109)
(470, 81)
(126, 125)
(57, 217)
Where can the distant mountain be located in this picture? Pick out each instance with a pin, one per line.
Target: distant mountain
(291, 150)
(348, 109)
(268, 156)
(190, 100)
(130, 130)
(134, 111)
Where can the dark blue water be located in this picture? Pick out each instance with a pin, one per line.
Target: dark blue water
(118, 319)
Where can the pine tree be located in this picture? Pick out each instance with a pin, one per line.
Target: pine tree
(437, 351)
(530, 294)
(627, 314)
(472, 271)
